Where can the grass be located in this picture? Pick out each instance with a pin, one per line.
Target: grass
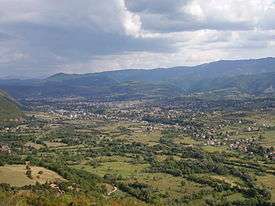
(164, 157)
(9, 110)
(124, 169)
(235, 197)
(233, 181)
(15, 175)
(263, 118)
(214, 149)
(55, 144)
(150, 138)
(175, 186)
(114, 158)
(267, 119)
(269, 138)
(34, 145)
(268, 181)
(186, 140)
(136, 132)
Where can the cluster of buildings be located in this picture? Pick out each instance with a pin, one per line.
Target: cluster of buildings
(5, 149)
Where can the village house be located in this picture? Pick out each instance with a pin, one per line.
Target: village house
(5, 149)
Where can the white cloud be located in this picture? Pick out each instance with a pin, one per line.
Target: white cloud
(210, 14)
(90, 35)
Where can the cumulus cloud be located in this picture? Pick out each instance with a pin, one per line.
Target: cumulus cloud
(43, 37)
(184, 15)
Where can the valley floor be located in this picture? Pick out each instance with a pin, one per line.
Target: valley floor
(140, 153)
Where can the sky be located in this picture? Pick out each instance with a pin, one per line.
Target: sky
(43, 37)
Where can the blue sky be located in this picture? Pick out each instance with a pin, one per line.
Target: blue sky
(43, 37)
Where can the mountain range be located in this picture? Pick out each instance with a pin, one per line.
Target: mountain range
(252, 77)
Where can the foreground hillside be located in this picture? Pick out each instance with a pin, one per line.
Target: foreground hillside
(9, 110)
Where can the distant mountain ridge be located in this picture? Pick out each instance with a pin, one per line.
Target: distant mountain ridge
(254, 76)
(213, 69)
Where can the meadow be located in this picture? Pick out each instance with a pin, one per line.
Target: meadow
(15, 175)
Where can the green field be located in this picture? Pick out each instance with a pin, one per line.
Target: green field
(269, 138)
(15, 175)
(9, 109)
(124, 169)
(175, 186)
(268, 181)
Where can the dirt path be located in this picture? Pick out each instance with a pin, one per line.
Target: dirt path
(111, 192)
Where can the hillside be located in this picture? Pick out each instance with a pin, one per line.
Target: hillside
(243, 75)
(9, 110)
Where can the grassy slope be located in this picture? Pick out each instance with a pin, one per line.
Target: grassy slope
(15, 175)
(8, 108)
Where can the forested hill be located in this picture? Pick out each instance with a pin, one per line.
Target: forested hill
(253, 76)
(9, 110)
